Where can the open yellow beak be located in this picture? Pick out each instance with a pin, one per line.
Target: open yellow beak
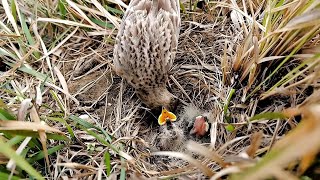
(165, 116)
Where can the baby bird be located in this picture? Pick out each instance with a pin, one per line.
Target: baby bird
(145, 48)
(200, 126)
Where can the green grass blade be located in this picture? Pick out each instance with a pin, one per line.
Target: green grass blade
(4, 52)
(28, 34)
(102, 140)
(56, 98)
(229, 127)
(226, 106)
(102, 23)
(4, 175)
(21, 162)
(34, 134)
(63, 121)
(107, 162)
(123, 173)
(40, 155)
(14, 10)
(268, 115)
(87, 125)
(34, 73)
(123, 169)
(15, 140)
(29, 70)
(182, 7)
(62, 8)
(5, 115)
(113, 10)
(59, 38)
(58, 137)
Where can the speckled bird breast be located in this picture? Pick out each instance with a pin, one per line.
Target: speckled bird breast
(146, 45)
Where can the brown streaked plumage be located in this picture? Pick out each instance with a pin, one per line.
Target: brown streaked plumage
(145, 48)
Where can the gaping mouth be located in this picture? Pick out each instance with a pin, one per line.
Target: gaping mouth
(166, 116)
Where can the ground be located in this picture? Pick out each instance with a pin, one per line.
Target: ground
(256, 82)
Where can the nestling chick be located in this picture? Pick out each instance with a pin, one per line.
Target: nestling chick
(200, 126)
(170, 137)
(195, 122)
(145, 48)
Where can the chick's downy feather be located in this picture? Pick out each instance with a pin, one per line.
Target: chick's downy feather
(145, 48)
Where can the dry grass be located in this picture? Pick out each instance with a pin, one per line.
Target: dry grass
(251, 67)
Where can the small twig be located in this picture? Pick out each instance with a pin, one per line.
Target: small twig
(181, 88)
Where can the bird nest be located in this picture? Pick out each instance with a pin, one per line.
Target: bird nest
(205, 42)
